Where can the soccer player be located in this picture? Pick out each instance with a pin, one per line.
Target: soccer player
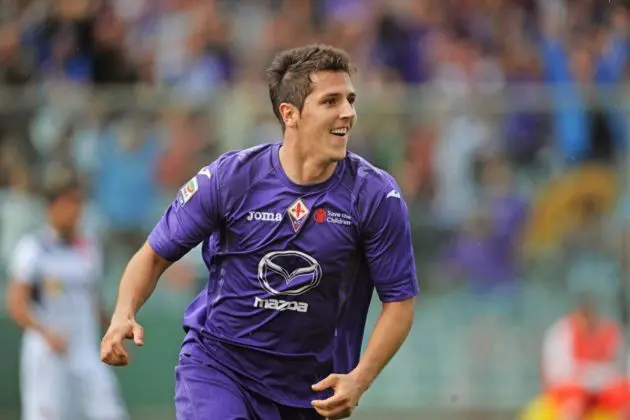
(296, 236)
(53, 296)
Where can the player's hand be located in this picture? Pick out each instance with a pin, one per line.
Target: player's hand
(347, 391)
(112, 349)
(56, 342)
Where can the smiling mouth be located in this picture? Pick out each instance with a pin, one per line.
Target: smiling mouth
(340, 132)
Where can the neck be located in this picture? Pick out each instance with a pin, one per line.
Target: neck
(301, 167)
(65, 234)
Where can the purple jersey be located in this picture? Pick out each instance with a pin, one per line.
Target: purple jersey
(291, 267)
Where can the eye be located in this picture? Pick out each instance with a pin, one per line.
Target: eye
(329, 101)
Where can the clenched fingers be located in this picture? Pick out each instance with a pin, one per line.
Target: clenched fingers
(112, 351)
(335, 407)
(344, 414)
(336, 414)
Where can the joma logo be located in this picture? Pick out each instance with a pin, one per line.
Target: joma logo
(264, 216)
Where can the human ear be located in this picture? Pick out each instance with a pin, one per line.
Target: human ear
(289, 114)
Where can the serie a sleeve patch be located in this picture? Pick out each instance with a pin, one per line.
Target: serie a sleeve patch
(187, 191)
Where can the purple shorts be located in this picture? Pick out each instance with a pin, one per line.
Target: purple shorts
(203, 392)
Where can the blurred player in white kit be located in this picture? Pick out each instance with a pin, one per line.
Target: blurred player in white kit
(54, 296)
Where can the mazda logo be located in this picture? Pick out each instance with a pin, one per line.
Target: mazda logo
(288, 273)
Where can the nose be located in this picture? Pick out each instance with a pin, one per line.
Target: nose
(347, 111)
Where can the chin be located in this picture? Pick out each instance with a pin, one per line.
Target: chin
(337, 155)
(336, 150)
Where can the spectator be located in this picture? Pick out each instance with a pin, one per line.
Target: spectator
(581, 356)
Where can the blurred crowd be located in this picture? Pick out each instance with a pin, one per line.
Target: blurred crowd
(505, 121)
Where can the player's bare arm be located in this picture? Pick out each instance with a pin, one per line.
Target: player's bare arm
(152, 259)
(391, 330)
(18, 303)
(136, 286)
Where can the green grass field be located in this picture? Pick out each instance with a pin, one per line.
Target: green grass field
(166, 413)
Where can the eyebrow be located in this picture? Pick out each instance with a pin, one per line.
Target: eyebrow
(337, 94)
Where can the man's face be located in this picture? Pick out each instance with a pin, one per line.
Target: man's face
(66, 210)
(327, 116)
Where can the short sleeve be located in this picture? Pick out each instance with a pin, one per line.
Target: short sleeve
(388, 248)
(23, 263)
(191, 217)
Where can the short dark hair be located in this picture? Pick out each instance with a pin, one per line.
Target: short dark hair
(57, 179)
(289, 73)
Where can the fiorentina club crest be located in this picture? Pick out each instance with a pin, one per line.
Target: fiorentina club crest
(298, 213)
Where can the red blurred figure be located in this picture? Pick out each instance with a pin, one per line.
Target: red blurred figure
(581, 364)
